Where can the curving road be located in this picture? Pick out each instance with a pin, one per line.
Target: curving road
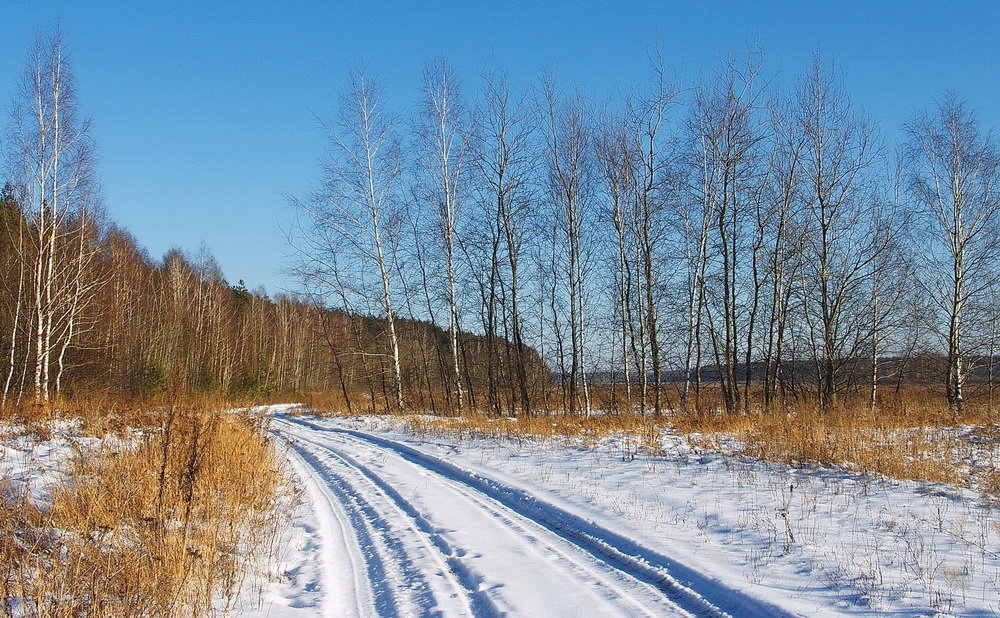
(405, 533)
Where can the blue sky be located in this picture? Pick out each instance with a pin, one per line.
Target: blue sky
(205, 112)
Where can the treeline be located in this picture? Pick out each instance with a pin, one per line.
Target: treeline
(144, 327)
(728, 244)
(84, 309)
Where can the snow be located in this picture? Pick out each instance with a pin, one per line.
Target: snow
(400, 524)
(32, 464)
(394, 523)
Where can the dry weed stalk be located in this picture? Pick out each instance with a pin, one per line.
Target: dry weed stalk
(164, 527)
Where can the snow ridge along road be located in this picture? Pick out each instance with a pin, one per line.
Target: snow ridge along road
(408, 533)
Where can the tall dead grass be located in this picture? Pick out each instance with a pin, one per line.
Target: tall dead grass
(582, 429)
(907, 436)
(161, 527)
(910, 436)
(839, 439)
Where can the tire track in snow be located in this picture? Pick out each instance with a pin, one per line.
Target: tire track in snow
(460, 576)
(398, 585)
(517, 527)
(383, 595)
(690, 590)
(337, 550)
(580, 567)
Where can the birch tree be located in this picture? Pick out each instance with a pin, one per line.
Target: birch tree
(727, 131)
(52, 161)
(646, 117)
(353, 221)
(954, 180)
(840, 226)
(783, 189)
(568, 145)
(14, 241)
(618, 164)
(503, 159)
(444, 137)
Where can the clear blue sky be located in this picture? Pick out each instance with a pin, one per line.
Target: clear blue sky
(204, 112)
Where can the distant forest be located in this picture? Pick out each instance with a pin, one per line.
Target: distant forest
(527, 248)
(135, 326)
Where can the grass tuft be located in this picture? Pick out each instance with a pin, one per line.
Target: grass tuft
(162, 527)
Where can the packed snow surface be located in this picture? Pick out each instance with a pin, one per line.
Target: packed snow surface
(394, 524)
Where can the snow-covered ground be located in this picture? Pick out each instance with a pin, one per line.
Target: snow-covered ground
(396, 524)
(32, 463)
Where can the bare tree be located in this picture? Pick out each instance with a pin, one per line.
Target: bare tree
(15, 259)
(503, 159)
(444, 144)
(82, 282)
(954, 179)
(353, 220)
(783, 191)
(646, 117)
(728, 131)
(618, 164)
(839, 223)
(52, 161)
(568, 149)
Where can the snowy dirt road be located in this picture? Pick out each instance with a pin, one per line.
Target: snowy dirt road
(403, 532)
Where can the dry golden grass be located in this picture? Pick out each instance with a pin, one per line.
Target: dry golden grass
(846, 439)
(158, 528)
(557, 426)
(906, 436)
(101, 413)
(335, 403)
(990, 483)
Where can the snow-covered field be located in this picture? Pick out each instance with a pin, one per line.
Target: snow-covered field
(391, 523)
(396, 524)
